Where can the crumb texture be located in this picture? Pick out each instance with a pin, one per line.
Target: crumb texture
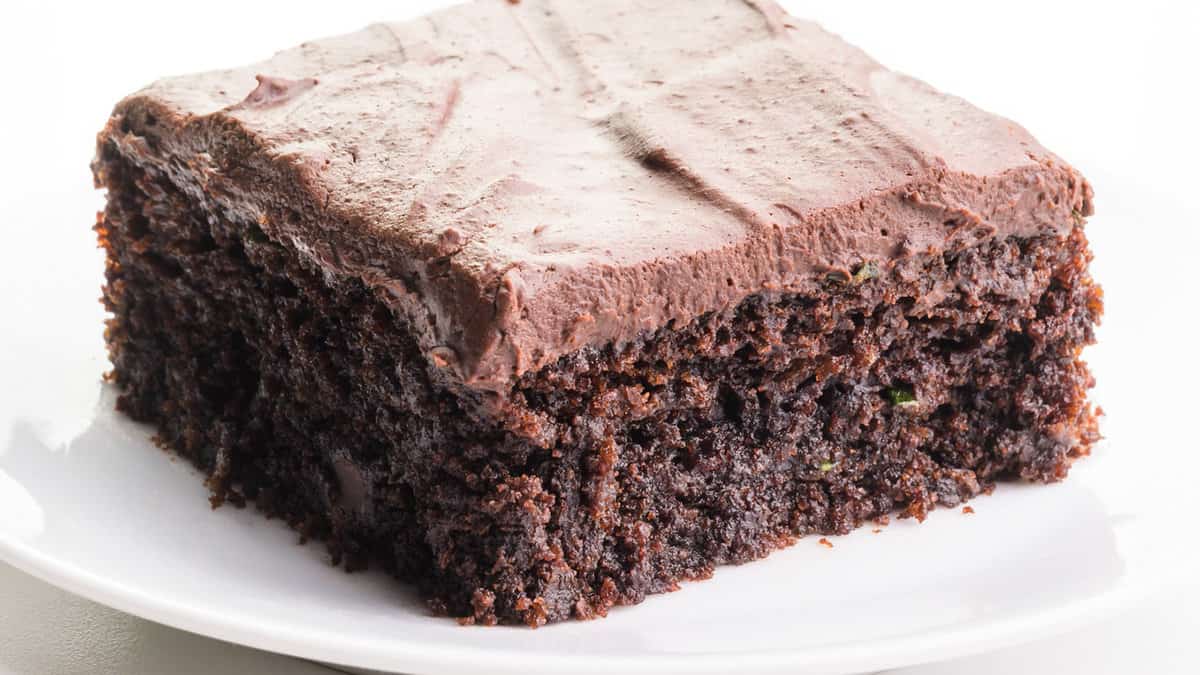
(616, 471)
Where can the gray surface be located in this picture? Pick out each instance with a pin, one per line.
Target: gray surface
(46, 631)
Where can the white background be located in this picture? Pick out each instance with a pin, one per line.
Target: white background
(1109, 86)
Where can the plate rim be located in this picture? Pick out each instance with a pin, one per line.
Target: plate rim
(399, 655)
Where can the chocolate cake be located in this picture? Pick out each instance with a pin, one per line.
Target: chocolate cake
(547, 306)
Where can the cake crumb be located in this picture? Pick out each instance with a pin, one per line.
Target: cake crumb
(790, 407)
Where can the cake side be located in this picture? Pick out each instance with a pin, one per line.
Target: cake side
(526, 180)
(616, 471)
(545, 310)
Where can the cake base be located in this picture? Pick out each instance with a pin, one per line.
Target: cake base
(615, 472)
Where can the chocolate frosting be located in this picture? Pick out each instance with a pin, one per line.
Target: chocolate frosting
(522, 179)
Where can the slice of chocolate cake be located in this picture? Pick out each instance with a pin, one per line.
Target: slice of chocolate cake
(546, 306)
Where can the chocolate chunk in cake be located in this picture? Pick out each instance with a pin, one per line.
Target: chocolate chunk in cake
(544, 308)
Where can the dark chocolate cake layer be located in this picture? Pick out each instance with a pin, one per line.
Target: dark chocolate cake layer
(544, 310)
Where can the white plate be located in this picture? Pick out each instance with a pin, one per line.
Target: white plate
(89, 504)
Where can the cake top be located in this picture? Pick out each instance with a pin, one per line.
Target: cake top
(524, 178)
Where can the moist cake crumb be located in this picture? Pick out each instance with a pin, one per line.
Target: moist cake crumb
(544, 309)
